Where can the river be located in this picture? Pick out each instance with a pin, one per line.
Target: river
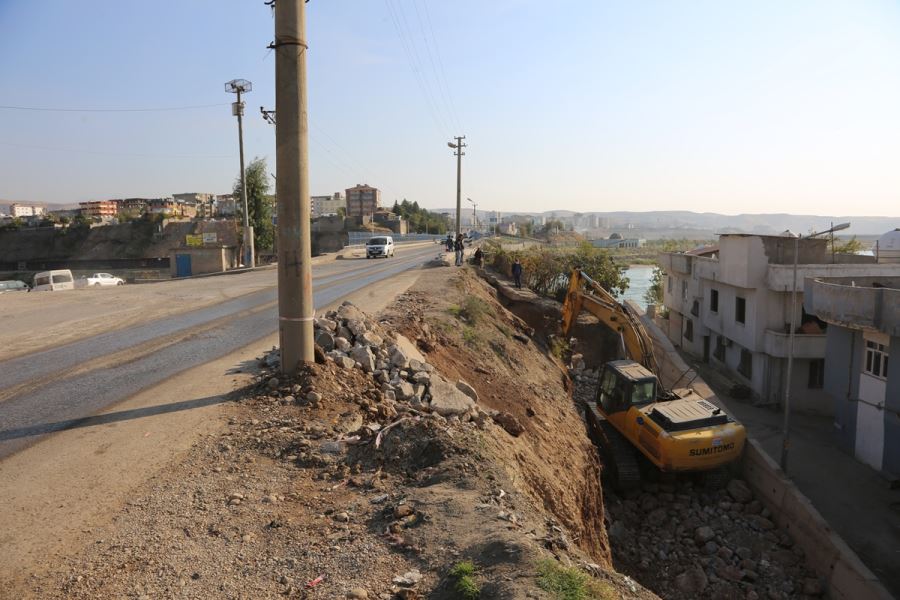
(639, 282)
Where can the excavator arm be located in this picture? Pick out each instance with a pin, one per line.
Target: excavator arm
(586, 294)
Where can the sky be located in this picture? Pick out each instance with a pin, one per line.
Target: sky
(709, 106)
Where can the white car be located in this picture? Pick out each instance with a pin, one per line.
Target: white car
(100, 280)
(382, 245)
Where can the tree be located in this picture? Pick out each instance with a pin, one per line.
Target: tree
(259, 204)
(851, 246)
(654, 294)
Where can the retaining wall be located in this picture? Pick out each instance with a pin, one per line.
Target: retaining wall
(845, 575)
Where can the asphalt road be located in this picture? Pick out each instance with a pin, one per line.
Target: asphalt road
(57, 388)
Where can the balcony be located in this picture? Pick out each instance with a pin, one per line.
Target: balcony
(777, 344)
(861, 302)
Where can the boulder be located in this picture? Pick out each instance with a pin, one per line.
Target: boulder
(692, 582)
(405, 390)
(421, 377)
(703, 535)
(363, 356)
(508, 422)
(399, 358)
(467, 389)
(345, 362)
(344, 333)
(325, 340)
(349, 312)
(740, 491)
(326, 324)
(357, 327)
(446, 400)
(370, 338)
(342, 344)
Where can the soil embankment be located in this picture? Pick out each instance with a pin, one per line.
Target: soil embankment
(378, 474)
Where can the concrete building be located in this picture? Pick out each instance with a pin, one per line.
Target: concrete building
(17, 210)
(362, 200)
(203, 203)
(619, 243)
(99, 209)
(327, 205)
(225, 206)
(863, 384)
(162, 206)
(511, 228)
(731, 307)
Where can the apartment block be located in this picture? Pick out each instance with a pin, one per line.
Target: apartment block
(860, 379)
(362, 200)
(328, 205)
(730, 306)
(99, 209)
(17, 210)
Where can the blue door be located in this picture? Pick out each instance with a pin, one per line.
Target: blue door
(182, 265)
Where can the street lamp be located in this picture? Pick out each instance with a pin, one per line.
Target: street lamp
(240, 86)
(785, 441)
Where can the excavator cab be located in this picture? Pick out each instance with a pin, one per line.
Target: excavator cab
(623, 384)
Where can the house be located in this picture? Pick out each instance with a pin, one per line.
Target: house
(731, 306)
(327, 205)
(99, 209)
(362, 200)
(17, 210)
(860, 379)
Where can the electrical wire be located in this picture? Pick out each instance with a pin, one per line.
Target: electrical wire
(114, 110)
(102, 153)
(440, 75)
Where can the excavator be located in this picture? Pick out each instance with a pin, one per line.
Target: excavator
(676, 430)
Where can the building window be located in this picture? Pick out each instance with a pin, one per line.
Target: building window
(695, 308)
(876, 359)
(714, 301)
(684, 290)
(669, 279)
(745, 367)
(689, 330)
(740, 310)
(816, 374)
(719, 352)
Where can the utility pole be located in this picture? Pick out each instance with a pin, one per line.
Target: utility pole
(295, 299)
(474, 214)
(458, 146)
(239, 86)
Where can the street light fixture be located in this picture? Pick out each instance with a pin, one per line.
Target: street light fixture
(785, 441)
(240, 86)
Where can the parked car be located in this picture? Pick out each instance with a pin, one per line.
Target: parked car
(54, 281)
(382, 245)
(13, 285)
(99, 280)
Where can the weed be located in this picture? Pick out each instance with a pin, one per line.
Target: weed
(469, 336)
(559, 347)
(504, 329)
(471, 310)
(466, 586)
(570, 583)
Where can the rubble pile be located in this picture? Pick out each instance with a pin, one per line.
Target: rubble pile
(684, 540)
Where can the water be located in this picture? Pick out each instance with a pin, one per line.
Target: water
(639, 276)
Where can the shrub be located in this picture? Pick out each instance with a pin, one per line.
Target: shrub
(466, 586)
(570, 583)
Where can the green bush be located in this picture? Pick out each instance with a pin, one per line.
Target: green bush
(472, 310)
(570, 583)
(466, 586)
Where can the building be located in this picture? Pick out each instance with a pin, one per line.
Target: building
(132, 206)
(99, 209)
(362, 200)
(202, 203)
(731, 307)
(619, 242)
(511, 228)
(327, 205)
(17, 210)
(225, 205)
(162, 206)
(860, 380)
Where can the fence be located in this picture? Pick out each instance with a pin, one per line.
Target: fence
(360, 237)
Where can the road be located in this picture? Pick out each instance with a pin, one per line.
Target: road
(53, 389)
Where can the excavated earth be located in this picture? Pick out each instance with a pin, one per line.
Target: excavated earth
(378, 471)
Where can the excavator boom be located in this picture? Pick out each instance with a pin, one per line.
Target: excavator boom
(586, 294)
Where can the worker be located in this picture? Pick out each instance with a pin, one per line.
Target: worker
(459, 247)
(517, 273)
(479, 257)
(449, 242)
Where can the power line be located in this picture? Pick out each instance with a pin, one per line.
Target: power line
(437, 51)
(440, 75)
(102, 153)
(442, 129)
(113, 110)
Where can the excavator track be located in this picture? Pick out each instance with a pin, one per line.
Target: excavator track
(621, 453)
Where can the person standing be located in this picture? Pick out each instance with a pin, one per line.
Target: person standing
(517, 273)
(458, 247)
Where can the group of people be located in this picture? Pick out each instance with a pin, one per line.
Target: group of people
(457, 245)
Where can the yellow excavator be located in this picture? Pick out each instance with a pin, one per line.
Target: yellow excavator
(676, 430)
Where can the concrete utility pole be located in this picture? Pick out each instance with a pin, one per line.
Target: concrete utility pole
(239, 86)
(474, 214)
(786, 427)
(459, 145)
(295, 299)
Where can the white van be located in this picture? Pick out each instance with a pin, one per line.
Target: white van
(53, 281)
(382, 245)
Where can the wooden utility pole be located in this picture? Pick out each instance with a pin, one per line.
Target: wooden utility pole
(295, 298)
(459, 145)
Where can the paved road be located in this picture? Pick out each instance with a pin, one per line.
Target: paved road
(55, 389)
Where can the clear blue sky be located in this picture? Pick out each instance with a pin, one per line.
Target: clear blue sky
(764, 106)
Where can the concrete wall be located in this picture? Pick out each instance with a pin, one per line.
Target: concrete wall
(892, 414)
(205, 260)
(843, 352)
